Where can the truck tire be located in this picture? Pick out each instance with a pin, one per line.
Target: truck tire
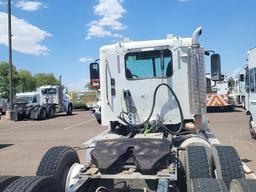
(197, 165)
(6, 180)
(50, 111)
(243, 185)
(70, 109)
(34, 184)
(56, 163)
(251, 130)
(208, 185)
(228, 165)
(41, 115)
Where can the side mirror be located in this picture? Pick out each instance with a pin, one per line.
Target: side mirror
(215, 67)
(94, 74)
(241, 77)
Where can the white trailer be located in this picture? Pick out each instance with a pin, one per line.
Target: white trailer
(153, 101)
(239, 88)
(41, 104)
(250, 85)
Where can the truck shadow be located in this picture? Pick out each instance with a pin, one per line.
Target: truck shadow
(224, 110)
(2, 146)
(63, 115)
(246, 160)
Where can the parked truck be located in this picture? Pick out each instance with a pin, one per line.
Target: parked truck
(218, 94)
(239, 87)
(41, 104)
(3, 105)
(153, 101)
(250, 86)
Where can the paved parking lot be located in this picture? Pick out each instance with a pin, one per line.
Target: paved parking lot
(231, 128)
(22, 144)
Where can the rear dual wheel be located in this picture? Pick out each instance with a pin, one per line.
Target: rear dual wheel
(199, 170)
(34, 184)
(243, 185)
(197, 164)
(41, 115)
(6, 180)
(208, 185)
(228, 165)
(216, 185)
(57, 162)
(49, 111)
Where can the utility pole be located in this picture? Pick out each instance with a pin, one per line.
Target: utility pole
(10, 54)
(60, 79)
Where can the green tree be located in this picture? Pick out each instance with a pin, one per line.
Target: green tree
(4, 80)
(27, 82)
(45, 79)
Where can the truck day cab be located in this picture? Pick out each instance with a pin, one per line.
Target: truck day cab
(42, 104)
(153, 101)
(250, 85)
(218, 95)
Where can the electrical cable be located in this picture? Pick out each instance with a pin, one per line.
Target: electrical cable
(141, 125)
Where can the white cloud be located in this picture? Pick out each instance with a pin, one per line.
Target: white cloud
(86, 59)
(29, 5)
(27, 38)
(109, 11)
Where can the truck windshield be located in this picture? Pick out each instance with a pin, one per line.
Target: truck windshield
(49, 91)
(149, 64)
(24, 99)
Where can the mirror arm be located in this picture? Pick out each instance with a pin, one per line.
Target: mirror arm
(208, 52)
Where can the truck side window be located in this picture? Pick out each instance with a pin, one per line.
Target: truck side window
(149, 64)
(34, 100)
(241, 77)
(251, 84)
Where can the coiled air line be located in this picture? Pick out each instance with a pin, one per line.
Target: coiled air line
(142, 125)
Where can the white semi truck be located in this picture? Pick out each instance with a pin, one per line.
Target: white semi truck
(41, 104)
(250, 85)
(153, 101)
(239, 87)
(218, 95)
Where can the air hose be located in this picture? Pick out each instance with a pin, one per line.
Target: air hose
(142, 125)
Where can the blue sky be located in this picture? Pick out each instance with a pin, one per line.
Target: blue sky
(63, 36)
